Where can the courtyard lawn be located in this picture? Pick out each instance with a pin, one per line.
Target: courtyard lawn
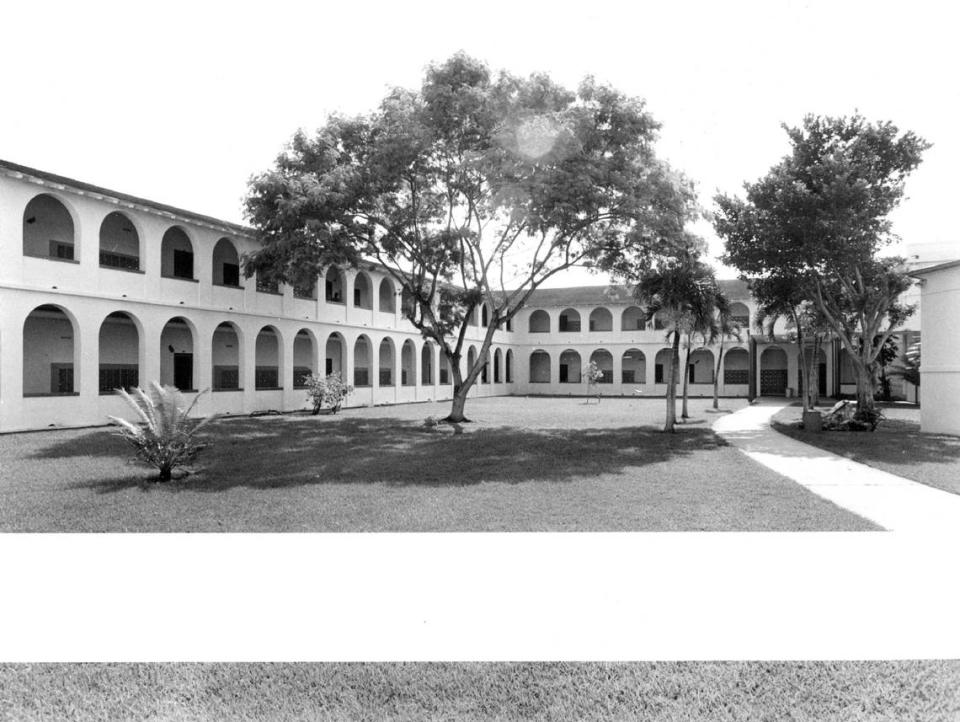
(897, 446)
(525, 464)
(800, 691)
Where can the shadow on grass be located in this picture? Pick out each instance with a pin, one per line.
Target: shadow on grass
(300, 452)
(895, 442)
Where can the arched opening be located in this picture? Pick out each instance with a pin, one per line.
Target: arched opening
(119, 353)
(601, 319)
(604, 361)
(569, 321)
(471, 359)
(362, 291)
(773, 372)
(633, 367)
(48, 230)
(176, 254)
(362, 356)
(818, 370)
(333, 285)
(539, 321)
(426, 364)
(50, 353)
(334, 359)
(633, 319)
(736, 367)
(176, 355)
(539, 367)
(385, 362)
(226, 264)
(497, 366)
(225, 358)
(304, 358)
(446, 377)
(388, 297)
(700, 366)
(119, 243)
(570, 371)
(739, 313)
(267, 359)
(662, 365)
(408, 364)
(508, 367)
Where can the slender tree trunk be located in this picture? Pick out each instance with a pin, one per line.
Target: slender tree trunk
(804, 368)
(686, 380)
(716, 377)
(865, 386)
(672, 385)
(460, 391)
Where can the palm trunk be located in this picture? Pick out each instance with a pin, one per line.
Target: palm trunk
(716, 377)
(672, 385)
(686, 381)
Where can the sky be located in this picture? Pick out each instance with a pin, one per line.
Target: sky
(182, 102)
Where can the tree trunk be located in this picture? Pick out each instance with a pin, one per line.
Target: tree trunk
(672, 385)
(459, 402)
(166, 473)
(686, 380)
(865, 400)
(804, 367)
(716, 377)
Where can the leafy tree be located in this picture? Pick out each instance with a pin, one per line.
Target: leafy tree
(165, 438)
(704, 328)
(820, 218)
(327, 391)
(475, 189)
(678, 289)
(594, 376)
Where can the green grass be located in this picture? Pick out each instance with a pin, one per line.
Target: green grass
(897, 446)
(799, 691)
(525, 464)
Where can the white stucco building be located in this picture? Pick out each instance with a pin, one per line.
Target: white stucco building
(100, 289)
(940, 330)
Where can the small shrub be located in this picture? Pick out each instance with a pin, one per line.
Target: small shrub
(165, 440)
(594, 376)
(329, 391)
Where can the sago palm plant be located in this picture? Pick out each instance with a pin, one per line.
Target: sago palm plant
(166, 437)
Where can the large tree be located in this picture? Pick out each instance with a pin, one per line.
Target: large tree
(821, 219)
(475, 189)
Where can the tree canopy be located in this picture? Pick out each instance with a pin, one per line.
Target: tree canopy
(813, 229)
(475, 189)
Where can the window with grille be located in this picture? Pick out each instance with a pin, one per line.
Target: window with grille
(182, 264)
(226, 378)
(267, 377)
(361, 377)
(300, 375)
(386, 377)
(109, 259)
(61, 250)
(61, 378)
(118, 376)
(231, 274)
(736, 376)
(266, 285)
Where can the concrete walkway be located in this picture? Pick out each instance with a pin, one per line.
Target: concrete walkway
(895, 503)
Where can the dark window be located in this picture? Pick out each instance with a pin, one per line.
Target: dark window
(61, 378)
(386, 377)
(183, 371)
(510, 324)
(182, 264)
(444, 376)
(119, 260)
(564, 370)
(329, 366)
(607, 376)
(61, 250)
(361, 377)
(628, 376)
(267, 377)
(569, 324)
(331, 295)
(736, 376)
(118, 376)
(231, 274)
(357, 295)
(658, 373)
(226, 378)
(300, 374)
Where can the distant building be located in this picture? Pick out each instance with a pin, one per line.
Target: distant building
(940, 329)
(101, 290)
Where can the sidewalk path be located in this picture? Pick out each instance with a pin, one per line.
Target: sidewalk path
(895, 503)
